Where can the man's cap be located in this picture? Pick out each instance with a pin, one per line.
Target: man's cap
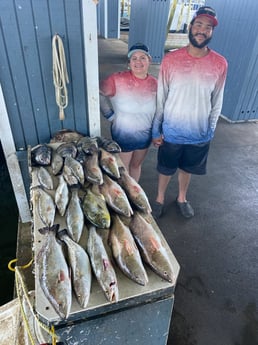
(206, 11)
(138, 47)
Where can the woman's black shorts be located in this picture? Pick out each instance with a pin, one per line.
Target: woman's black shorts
(191, 158)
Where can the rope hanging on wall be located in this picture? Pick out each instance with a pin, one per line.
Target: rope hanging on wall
(60, 75)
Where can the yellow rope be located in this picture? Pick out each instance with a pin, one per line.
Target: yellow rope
(22, 292)
(60, 75)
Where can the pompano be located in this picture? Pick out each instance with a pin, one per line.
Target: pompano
(41, 155)
(79, 262)
(54, 275)
(61, 195)
(44, 178)
(126, 253)
(115, 196)
(45, 206)
(152, 249)
(134, 191)
(108, 163)
(95, 209)
(102, 266)
(74, 217)
(75, 168)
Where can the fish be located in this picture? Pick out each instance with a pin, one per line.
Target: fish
(152, 248)
(45, 206)
(108, 144)
(66, 135)
(102, 266)
(126, 253)
(41, 155)
(75, 216)
(75, 168)
(57, 163)
(45, 178)
(53, 273)
(69, 177)
(108, 163)
(61, 195)
(88, 145)
(67, 149)
(92, 170)
(134, 191)
(115, 196)
(79, 262)
(95, 209)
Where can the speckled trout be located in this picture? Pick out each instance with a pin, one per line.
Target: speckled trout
(126, 253)
(153, 251)
(80, 265)
(102, 266)
(53, 272)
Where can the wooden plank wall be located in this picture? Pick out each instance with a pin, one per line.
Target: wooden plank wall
(26, 31)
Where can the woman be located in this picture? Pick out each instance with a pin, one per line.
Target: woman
(128, 100)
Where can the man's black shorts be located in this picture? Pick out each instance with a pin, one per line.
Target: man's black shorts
(191, 158)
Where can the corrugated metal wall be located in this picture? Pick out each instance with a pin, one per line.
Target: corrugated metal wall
(26, 32)
(236, 38)
(148, 24)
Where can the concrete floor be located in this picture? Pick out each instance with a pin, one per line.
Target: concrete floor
(216, 298)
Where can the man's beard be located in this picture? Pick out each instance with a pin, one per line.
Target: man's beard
(195, 43)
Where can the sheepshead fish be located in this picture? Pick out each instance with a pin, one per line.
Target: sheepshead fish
(115, 196)
(45, 206)
(134, 191)
(152, 249)
(92, 170)
(102, 266)
(69, 176)
(54, 277)
(44, 178)
(61, 195)
(108, 163)
(67, 149)
(108, 145)
(75, 216)
(41, 155)
(80, 268)
(126, 253)
(95, 209)
(65, 135)
(75, 168)
(57, 163)
(88, 145)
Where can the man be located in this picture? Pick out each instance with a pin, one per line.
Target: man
(189, 101)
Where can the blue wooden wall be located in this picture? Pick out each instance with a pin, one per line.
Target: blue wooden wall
(148, 24)
(236, 37)
(26, 31)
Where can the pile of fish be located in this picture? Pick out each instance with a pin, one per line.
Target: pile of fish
(82, 190)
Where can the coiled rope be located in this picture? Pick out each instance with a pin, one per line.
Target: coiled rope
(60, 75)
(22, 292)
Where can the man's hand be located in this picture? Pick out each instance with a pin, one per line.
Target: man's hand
(157, 141)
